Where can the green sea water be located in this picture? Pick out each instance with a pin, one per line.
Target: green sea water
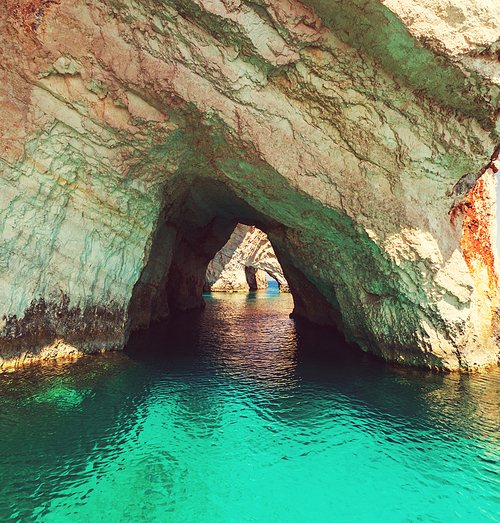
(239, 414)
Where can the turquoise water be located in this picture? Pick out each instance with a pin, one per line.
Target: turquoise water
(238, 414)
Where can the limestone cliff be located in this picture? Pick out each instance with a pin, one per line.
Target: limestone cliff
(243, 262)
(361, 137)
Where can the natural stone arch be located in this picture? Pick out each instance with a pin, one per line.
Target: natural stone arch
(256, 279)
(134, 138)
(243, 262)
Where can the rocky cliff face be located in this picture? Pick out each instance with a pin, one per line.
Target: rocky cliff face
(362, 137)
(243, 262)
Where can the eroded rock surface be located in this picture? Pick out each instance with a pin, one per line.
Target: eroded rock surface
(231, 269)
(359, 136)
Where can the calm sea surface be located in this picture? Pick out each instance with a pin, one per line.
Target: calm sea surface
(238, 414)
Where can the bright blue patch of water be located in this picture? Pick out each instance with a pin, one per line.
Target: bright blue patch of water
(238, 414)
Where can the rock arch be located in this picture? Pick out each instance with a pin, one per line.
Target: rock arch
(134, 138)
(243, 262)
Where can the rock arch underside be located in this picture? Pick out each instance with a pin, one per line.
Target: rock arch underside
(361, 137)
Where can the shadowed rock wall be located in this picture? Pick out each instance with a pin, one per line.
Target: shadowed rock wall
(359, 136)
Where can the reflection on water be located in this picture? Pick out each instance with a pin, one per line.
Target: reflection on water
(237, 413)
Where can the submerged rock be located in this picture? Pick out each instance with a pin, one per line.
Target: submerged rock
(361, 137)
(243, 262)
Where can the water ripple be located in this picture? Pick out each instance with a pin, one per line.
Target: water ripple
(239, 414)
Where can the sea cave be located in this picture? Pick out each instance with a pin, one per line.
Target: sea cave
(154, 153)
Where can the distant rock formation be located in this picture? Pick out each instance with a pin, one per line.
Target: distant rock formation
(242, 263)
(361, 137)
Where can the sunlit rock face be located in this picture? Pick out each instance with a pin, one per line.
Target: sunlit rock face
(243, 262)
(359, 136)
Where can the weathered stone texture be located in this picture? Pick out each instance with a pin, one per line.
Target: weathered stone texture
(135, 134)
(247, 248)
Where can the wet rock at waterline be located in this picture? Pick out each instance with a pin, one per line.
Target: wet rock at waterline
(242, 263)
(360, 137)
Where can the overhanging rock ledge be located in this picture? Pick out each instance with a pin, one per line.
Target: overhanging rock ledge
(360, 136)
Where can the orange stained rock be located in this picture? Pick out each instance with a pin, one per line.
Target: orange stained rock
(29, 14)
(477, 242)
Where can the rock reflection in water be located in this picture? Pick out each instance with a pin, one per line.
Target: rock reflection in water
(239, 413)
(254, 343)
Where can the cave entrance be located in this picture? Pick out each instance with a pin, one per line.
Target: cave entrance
(245, 263)
(190, 234)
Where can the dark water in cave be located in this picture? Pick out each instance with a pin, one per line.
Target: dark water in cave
(238, 414)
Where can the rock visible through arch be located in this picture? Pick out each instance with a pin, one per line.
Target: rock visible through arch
(247, 248)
